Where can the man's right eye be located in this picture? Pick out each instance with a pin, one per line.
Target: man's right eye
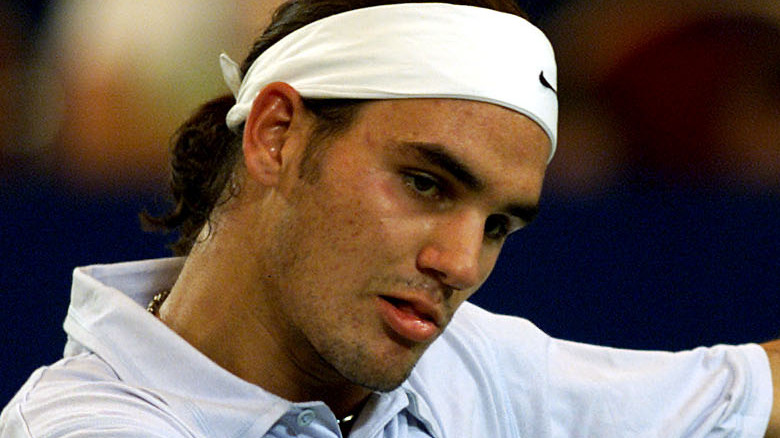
(422, 184)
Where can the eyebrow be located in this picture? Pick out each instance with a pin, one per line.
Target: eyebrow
(526, 213)
(436, 155)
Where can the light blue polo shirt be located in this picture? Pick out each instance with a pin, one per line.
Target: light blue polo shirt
(126, 374)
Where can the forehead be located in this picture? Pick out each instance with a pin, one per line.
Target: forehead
(505, 148)
(469, 127)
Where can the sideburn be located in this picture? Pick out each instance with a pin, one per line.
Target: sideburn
(334, 117)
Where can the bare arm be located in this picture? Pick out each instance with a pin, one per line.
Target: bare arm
(773, 350)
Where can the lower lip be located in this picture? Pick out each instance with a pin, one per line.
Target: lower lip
(406, 323)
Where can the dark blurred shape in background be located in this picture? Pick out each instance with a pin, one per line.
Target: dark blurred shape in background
(660, 219)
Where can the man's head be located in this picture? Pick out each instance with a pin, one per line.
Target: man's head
(205, 152)
(354, 273)
(346, 269)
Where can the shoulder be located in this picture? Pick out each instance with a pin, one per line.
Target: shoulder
(484, 351)
(483, 363)
(474, 330)
(82, 393)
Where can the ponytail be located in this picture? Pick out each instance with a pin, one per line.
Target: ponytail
(203, 153)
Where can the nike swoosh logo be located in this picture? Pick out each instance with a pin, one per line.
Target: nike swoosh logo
(544, 82)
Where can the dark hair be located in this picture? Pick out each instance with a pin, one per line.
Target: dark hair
(204, 151)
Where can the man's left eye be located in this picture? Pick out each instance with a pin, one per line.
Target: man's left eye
(497, 227)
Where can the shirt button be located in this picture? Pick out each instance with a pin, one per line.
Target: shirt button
(306, 417)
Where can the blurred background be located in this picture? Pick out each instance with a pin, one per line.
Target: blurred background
(661, 214)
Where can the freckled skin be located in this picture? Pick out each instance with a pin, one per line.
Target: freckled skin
(356, 233)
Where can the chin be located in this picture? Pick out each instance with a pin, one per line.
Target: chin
(382, 373)
(385, 382)
(380, 363)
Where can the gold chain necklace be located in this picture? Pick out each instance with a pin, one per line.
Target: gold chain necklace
(345, 424)
(154, 306)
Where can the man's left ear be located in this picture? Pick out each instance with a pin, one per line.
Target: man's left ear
(271, 128)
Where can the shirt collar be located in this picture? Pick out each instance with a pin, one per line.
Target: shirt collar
(108, 317)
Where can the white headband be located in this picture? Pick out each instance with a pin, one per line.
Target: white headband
(410, 50)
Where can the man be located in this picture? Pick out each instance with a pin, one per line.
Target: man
(329, 244)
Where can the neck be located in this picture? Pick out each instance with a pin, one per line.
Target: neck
(219, 308)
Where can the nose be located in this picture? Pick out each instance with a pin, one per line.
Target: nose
(453, 251)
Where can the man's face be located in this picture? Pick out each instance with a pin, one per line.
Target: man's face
(405, 221)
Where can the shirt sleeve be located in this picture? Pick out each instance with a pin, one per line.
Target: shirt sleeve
(722, 391)
(538, 386)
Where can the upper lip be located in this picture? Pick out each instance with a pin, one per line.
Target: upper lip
(421, 304)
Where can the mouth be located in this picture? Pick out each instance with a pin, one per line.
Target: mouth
(415, 320)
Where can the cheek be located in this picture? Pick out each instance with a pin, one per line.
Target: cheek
(365, 221)
(355, 217)
(400, 224)
(490, 255)
(380, 205)
(488, 262)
